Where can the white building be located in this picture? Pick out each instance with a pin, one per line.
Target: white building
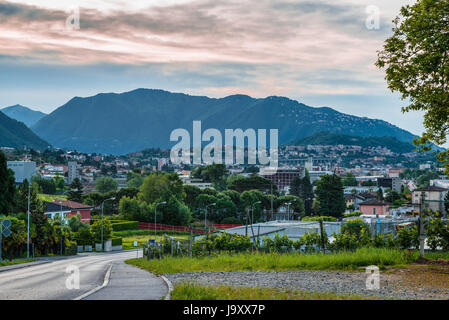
(73, 171)
(22, 170)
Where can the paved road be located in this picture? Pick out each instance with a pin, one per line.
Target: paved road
(48, 281)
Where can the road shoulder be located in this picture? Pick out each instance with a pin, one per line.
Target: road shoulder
(130, 283)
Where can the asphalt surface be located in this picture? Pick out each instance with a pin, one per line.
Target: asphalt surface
(49, 281)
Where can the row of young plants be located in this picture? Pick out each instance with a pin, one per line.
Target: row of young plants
(354, 234)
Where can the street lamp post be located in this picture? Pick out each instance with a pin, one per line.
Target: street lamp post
(28, 224)
(205, 215)
(163, 202)
(252, 211)
(102, 211)
(60, 216)
(288, 210)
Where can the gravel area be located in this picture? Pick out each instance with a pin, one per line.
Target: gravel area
(311, 281)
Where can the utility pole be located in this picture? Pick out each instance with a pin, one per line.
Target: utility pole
(421, 227)
(60, 220)
(190, 242)
(102, 213)
(271, 190)
(28, 223)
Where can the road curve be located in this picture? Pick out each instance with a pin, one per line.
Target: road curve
(48, 281)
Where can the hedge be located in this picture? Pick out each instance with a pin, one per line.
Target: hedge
(116, 241)
(324, 218)
(128, 225)
(121, 225)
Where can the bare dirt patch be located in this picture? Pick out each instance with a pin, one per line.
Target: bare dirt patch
(428, 277)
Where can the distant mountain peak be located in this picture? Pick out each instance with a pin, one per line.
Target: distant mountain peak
(23, 114)
(120, 123)
(15, 134)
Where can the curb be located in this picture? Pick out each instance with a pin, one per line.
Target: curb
(105, 283)
(169, 285)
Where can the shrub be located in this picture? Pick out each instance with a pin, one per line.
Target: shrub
(407, 237)
(352, 214)
(125, 225)
(437, 233)
(231, 220)
(117, 241)
(83, 237)
(96, 230)
(354, 234)
(71, 249)
(222, 242)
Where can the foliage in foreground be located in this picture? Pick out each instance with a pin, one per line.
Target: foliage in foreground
(190, 291)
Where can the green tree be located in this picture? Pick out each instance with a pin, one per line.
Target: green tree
(106, 184)
(46, 186)
(76, 191)
(302, 188)
(380, 194)
(249, 199)
(7, 186)
(416, 61)
(392, 195)
(330, 195)
(11, 245)
(296, 207)
(96, 230)
(36, 205)
(252, 182)
(349, 180)
(175, 212)
(161, 185)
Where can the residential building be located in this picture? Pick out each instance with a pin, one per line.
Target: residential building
(22, 170)
(433, 198)
(73, 171)
(68, 209)
(392, 183)
(282, 177)
(442, 183)
(375, 207)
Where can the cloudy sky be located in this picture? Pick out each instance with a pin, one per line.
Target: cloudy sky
(319, 52)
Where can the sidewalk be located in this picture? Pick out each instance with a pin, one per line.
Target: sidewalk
(130, 283)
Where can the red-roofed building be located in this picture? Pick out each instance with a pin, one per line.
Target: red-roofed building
(374, 207)
(68, 209)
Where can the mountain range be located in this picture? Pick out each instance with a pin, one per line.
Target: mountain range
(15, 134)
(23, 114)
(122, 123)
(327, 138)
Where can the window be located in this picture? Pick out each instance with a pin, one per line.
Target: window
(374, 210)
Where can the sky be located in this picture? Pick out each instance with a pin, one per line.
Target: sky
(319, 52)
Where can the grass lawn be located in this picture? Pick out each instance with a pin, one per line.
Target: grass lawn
(279, 262)
(51, 197)
(10, 263)
(189, 291)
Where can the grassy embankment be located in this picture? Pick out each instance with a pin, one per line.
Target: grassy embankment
(51, 197)
(280, 262)
(10, 263)
(190, 291)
